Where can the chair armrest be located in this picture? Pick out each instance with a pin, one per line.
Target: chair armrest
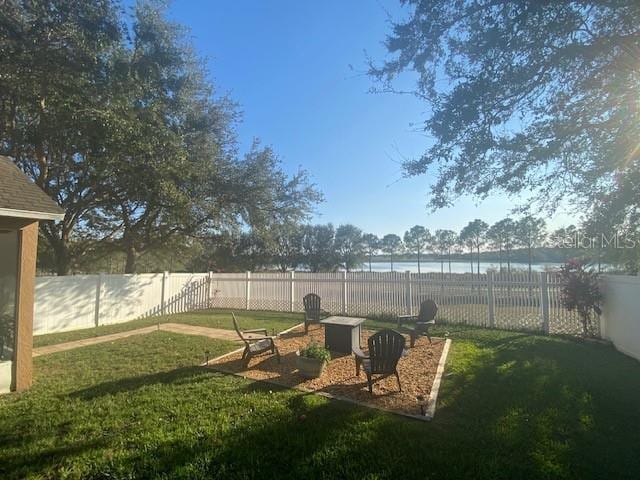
(261, 337)
(256, 330)
(359, 353)
(403, 318)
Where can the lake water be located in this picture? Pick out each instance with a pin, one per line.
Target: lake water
(456, 267)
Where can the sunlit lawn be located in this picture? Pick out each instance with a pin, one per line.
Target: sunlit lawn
(512, 406)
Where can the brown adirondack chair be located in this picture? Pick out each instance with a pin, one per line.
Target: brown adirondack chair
(420, 323)
(385, 349)
(312, 311)
(255, 345)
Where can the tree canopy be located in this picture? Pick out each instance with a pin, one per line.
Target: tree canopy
(525, 96)
(116, 118)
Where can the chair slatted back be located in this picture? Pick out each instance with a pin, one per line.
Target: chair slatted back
(385, 349)
(237, 328)
(311, 303)
(428, 311)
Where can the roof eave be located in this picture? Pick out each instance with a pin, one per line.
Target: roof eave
(11, 212)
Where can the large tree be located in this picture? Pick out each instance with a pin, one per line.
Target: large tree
(416, 239)
(530, 232)
(232, 252)
(349, 246)
(524, 96)
(371, 244)
(501, 235)
(391, 244)
(474, 235)
(284, 243)
(318, 247)
(505, 232)
(116, 118)
(445, 240)
(54, 105)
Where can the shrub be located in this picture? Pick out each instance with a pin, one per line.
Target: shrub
(581, 292)
(313, 350)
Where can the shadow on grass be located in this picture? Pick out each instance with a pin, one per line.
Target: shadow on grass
(178, 376)
(23, 466)
(305, 439)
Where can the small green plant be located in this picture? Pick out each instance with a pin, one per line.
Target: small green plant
(314, 350)
(581, 292)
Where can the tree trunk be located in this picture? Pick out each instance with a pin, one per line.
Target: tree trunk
(449, 259)
(60, 247)
(132, 256)
(500, 258)
(471, 258)
(369, 262)
(478, 260)
(392, 262)
(63, 259)
(530, 275)
(418, 261)
(41, 155)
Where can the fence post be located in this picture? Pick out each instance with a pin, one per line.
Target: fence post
(163, 295)
(407, 293)
(344, 293)
(248, 290)
(292, 290)
(98, 293)
(491, 300)
(209, 286)
(544, 302)
(603, 283)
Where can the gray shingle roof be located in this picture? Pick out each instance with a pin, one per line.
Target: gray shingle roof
(20, 197)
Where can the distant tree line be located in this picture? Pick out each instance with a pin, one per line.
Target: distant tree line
(114, 116)
(325, 248)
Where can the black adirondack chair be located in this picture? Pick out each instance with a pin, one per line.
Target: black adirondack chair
(420, 323)
(312, 311)
(385, 349)
(255, 345)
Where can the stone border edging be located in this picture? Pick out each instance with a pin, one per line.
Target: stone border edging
(435, 388)
(431, 403)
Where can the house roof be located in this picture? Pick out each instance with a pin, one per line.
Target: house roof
(21, 198)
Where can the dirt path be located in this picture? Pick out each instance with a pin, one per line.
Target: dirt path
(217, 333)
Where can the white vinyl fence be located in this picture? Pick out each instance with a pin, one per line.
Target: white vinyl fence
(84, 301)
(622, 313)
(510, 301)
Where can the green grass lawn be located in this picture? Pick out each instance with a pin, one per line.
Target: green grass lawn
(512, 406)
(204, 318)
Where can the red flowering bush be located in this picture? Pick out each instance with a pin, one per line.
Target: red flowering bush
(581, 292)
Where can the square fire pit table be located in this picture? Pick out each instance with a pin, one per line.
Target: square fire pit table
(341, 334)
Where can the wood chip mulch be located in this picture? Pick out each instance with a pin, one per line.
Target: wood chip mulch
(417, 372)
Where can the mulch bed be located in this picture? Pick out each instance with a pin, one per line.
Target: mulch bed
(417, 371)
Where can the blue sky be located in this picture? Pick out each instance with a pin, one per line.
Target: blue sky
(296, 69)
